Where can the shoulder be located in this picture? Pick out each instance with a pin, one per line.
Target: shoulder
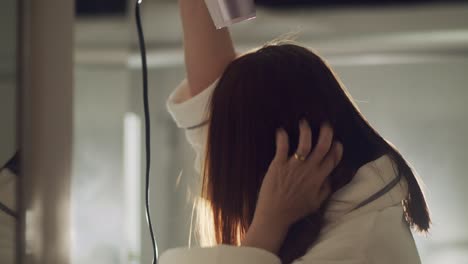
(343, 242)
(392, 237)
(375, 237)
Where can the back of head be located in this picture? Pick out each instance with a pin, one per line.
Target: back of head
(272, 87)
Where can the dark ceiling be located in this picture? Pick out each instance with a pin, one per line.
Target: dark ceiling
(100, 7)
(119, 7)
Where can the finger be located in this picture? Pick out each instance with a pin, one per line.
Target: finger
(305, 140)
(323, 144)
(332, 159)
(282, 146)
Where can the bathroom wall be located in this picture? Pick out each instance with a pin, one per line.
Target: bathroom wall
(97, 198)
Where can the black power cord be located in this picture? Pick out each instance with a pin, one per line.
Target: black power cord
(141, 40)
(7, 210)
(13, 166)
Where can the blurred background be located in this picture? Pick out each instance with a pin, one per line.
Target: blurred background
(404, 62)
(8, 129)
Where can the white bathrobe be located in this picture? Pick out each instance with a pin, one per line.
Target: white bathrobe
(374, 233)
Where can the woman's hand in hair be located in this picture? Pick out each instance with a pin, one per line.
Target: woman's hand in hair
(293, 189)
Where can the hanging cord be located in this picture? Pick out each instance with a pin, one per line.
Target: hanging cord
(7, 210)
(141, 40)
(13, 166)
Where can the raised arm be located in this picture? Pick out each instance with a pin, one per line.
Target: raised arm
(207, 51)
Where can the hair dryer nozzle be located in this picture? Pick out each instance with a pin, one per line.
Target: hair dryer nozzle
(227, 12)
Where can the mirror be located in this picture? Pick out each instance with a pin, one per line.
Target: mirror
(8, 131)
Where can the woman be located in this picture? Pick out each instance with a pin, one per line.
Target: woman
(292, 172)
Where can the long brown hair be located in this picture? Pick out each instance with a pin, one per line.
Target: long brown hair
(275, 86)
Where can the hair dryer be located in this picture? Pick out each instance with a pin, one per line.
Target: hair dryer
(227, 12)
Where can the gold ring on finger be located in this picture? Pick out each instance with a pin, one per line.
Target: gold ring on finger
(299, 157)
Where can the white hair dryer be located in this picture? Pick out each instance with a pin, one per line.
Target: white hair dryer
(227, 12)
